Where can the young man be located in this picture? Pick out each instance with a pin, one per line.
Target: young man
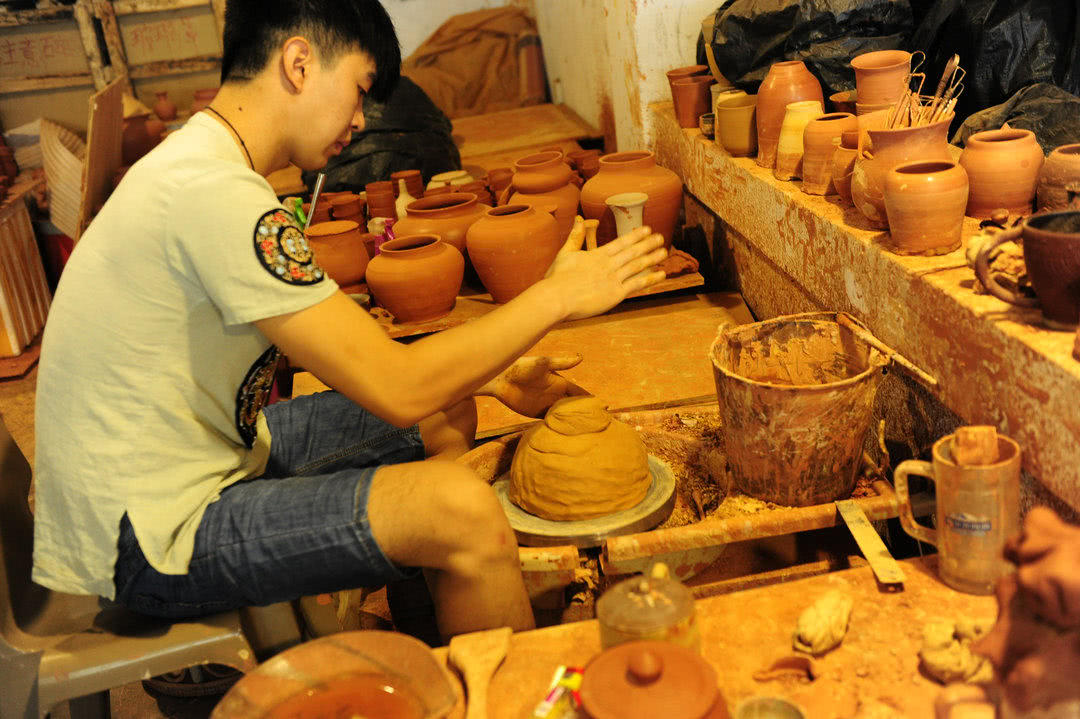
(160, 482)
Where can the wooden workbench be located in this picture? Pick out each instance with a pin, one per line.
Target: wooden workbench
(744, 632)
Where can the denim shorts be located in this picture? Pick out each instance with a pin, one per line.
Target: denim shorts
(299, 529)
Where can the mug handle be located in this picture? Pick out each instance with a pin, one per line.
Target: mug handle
(956, 694)
(982, 270)
(907, 518)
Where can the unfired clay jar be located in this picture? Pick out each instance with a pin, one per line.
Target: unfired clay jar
(789, 148)
(447, 215)
(1003, 167)
(546, 176)
(691, 96)
(843, 163)
(633, 172)
(889, 148)
(339, 250)
(787, 82)
(416, 277)
(881, 76)
(1059, 182)
(820, 140)
(579, 463)
(736, 124)
(511, 248)
(164, 108)
(925, 204)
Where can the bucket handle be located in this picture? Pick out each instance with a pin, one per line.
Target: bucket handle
(903, 498)
(847, 321)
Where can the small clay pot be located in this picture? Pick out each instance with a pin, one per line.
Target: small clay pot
(820, 140)
(545, 176)
(339, 250)
(680, 73)
(925, 204)
(1003, 169)
(843, 163)
(202, 99)
(736, 128)
(499, 179)
(164, 108)
(789, 148)
(691, 96)
(1059, 181)
(881, 76)
(843, 101)
(448, 216)
(416, 277)
(380, 187)
(346, 206)
(786, 82)
(512, 247)
(707, 124)
(414, 182)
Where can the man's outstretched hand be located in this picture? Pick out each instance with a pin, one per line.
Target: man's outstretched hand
(532, 384)
(1047, 555)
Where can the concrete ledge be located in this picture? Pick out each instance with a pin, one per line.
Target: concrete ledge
(994, 363)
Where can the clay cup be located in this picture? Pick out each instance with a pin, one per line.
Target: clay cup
(736, 127)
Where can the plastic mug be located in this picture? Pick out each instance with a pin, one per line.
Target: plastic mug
(978, 508)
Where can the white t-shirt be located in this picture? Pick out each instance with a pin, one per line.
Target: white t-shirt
(152, 375)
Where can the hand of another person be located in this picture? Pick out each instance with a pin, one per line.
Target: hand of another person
(1047, 555)
(593, 282)
(532, 384)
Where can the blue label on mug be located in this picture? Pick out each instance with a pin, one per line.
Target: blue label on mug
(968, 523)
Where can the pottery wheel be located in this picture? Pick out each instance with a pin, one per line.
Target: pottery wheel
(533, 531)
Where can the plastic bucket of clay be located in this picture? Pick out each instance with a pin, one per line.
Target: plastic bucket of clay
(796, 396)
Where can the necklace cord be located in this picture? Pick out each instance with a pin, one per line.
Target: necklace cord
(251, 163)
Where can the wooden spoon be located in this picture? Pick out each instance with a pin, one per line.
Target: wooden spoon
(477, 656)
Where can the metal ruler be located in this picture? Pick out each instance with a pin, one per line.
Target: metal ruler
(877, 554)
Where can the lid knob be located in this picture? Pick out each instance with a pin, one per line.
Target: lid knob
(645, 666)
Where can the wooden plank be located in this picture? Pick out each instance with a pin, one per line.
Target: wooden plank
(133, 7)
(45, 82)
(521, 127)
(16, 18)
(83, 17)
(202, 63)
(110, 30)
(103, 150)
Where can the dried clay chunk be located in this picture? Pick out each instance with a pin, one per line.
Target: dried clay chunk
(579, 464)
(946, 652)
(823, 624)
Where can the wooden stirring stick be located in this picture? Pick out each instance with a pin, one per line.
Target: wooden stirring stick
(975, 445)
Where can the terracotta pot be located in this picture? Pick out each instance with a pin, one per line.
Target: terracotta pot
(339, 250)
(820, 140)
(512, 247)
(633, 172)
(1052, 256)
(843, 101)
(416, 277)
(789, 148)
(881, 76)
(680, 73)
(1059, 182)
(414, 181)
(499, 179)
(322, 212)
(736, 125)
(164, 108)
(843, 163)
(691, 96)
(925, 204)
(137, 139)
(546, 176)
(890, 148)
(447, 215)
(203, 98)
(346, 206)
(787, 82)
(724, 95)
(586, 162)
(870, 121)
(1003, 168)
(865, 108)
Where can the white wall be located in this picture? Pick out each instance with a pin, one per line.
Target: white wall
(415, 20)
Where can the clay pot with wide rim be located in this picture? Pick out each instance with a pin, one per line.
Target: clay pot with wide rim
(889, 148)
(1059, 181)
(787, 82)
(633, 172)
(843, 101)
(1003, 169)
(545, 176)
(881, 76)
(843, 163)
(789, 148)
(164, 108)
(512, 247)
(339, 250)
(736, 124)
(691, 96)
(925, 204)
(448, 215)
(1052, 256)
(820, 140)
(416, 277)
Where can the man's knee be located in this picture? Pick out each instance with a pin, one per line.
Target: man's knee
(473, 516)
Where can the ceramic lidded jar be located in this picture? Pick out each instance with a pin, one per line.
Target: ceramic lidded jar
(789, 148)
(881, 76)
(416, 277)
(820, 140)
(889, 148)
(1059, 181)
(787, 82)
(633, 172)
(843, 163)
(339, 250)
(1003, 168)
(511, 248)
(448, 215)
(545, 176)
(925, 204)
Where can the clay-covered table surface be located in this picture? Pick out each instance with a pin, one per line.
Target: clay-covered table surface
(745, 631)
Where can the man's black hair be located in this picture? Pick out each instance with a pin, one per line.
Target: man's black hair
(254, 29)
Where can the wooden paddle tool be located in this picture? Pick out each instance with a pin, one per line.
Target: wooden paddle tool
(477, 656)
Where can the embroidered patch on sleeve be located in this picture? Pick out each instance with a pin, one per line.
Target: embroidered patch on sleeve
(284, 251)
(254, 393)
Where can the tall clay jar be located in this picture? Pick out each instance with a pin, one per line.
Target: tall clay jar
(820, 140)
(1003, 168)
(633, 172)
(925, 204)
(416, 277)
(789, 148)
(339, 249)
(843, 164)
(889, 148)
(545, 176)
(512, 247)
(881, 76)
(787, 82)
(1059, 182)
(448, 215)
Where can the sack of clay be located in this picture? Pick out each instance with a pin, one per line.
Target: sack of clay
(579, 463)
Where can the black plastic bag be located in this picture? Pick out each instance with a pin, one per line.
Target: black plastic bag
(1045, 109)
(407, 132)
